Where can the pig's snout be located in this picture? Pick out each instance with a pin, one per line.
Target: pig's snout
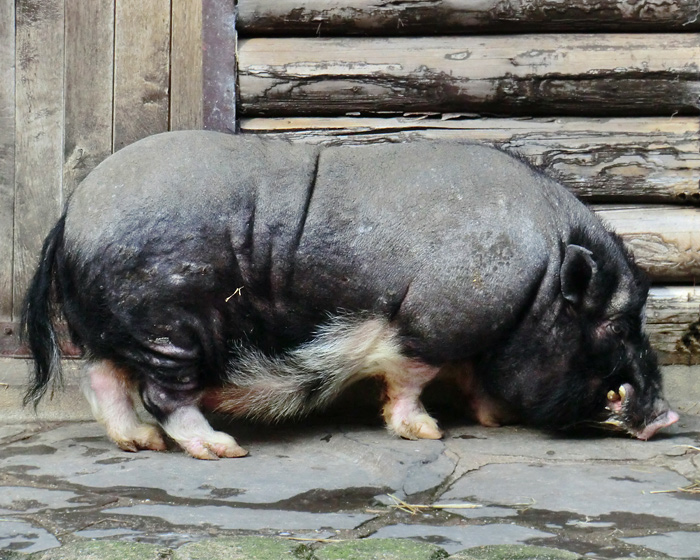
(664, 420)
(622, 404)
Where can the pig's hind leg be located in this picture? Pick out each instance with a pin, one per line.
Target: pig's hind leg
(177, 410)
(108, 389)
(191, 430)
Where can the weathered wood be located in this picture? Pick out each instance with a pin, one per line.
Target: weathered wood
(186, 109)
(600, 160)
(593, 75)
(12, 347)
(7, 153)
(39, 134)
(257, 18)
(219, 64)
(673, 323)
(89, 43)
(665, 240)
(141, 69)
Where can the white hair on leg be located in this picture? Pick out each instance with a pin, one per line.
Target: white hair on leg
(108, 390)
(344, 350)
(188, 427)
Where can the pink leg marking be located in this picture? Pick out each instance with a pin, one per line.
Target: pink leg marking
(108, 390)
(403, 412)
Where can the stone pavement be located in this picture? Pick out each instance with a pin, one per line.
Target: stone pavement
(330, 488)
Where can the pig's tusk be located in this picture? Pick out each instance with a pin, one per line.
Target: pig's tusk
(623, 393)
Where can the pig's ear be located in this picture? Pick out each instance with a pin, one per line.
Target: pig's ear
(577, 273)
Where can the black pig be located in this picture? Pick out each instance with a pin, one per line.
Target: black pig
(260, 278)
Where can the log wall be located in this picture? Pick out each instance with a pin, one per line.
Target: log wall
(603, 94)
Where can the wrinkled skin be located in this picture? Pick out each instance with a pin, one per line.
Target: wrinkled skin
(179, 252)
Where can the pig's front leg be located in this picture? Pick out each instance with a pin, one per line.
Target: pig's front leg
(484, 408)
(403, 412)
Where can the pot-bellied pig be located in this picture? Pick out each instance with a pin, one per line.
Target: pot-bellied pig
(260, 278)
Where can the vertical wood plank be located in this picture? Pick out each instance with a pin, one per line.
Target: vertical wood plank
(7, 153)
(89, 58)
(186, 65)
(219, 61)
(141, 69)
(39, 122)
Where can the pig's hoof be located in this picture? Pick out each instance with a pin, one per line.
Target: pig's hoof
(487, 413)
(421, 426)
(144, 436)
(218, 446)
(487, 420)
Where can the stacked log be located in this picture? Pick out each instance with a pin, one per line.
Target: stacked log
(602, 94)
(274, 18)
(533, 74)
(651, 160)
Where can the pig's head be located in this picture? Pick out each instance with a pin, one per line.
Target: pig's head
(586, 359)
